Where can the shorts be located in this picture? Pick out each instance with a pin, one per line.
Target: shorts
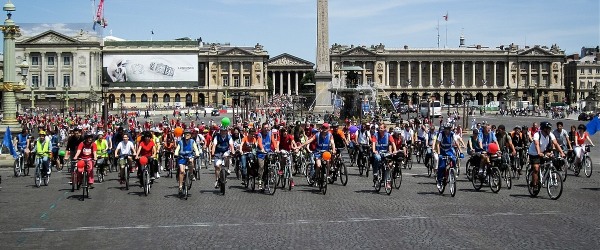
(535, 159)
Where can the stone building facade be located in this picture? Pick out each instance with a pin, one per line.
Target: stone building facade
(452, 75)
(286, 71)
(582, 75)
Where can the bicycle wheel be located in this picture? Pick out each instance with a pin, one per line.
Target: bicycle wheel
(73, 180)
(397, 177)
(25, 169)
(252, 182)
(477, 179)
(324, 174)
(38, 176)
(587, 166)
(495, 180)
(515, 167)
(84, 185)
(361, 166)
(388, 182)
(307, 174)
(565, 167)
(17, 168)
(367, 165)
(429, 167)
(452, 182)
(410, 163)
(186, 183)
(289, 179)
(126, 177)
(271, 181)
(46, 179)
(377, 181)
(146, 182)
(554, 185)
(99, 173)
(222, 180)
(508, 178)
(469, 170)
(343, 172)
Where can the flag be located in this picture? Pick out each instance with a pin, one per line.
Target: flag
(593, 126)
(7, 142)
(446, 17)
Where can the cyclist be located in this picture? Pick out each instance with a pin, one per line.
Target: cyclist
(543, 142)
(485, 138)
(186, 148)
(222, 147)
(444, 146)
(518, 141)
(363, 139)
(265, 141)
(399, 143)
(382, 142)
(21, 141)
(102, 147)
(562, 136)
(87, 151)
(125, 147)
(504, 142)
(147, 149)
(169, 148)
(581, 136)
(324, 142)
(73, 142)
(55, 140)
(42, 150)
(249, 142)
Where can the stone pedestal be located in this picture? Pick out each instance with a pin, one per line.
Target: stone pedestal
(322, 93)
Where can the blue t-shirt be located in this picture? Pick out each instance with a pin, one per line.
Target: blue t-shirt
(486, 140)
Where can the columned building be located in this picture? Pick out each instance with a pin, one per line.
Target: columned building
(286, 73)
(452, 75)
(582, 75)
(62, 69)
(230, 73)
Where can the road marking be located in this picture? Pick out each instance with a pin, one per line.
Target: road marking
(297, 222)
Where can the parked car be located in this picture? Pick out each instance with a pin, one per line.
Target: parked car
(215, 112)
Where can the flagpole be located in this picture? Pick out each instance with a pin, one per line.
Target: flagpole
(438, 33)
(446, 45)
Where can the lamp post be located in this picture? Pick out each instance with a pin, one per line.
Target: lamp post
(361, 93)
(105, 86)
(66, 88)
(571, 88)
(10, 85)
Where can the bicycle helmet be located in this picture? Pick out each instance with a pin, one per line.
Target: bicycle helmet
(517, 127)
(545, 125)
(100, 133)
(448, 125)
(187, 131)
(397, 130)
(335, 124)
(42, 132)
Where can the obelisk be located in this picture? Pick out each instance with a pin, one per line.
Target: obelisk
(323, 74)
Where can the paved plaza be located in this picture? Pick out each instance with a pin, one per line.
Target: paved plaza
(350, 217)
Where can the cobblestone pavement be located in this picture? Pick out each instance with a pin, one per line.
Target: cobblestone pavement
(350, 217)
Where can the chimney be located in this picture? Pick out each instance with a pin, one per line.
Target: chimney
(576, 57)
(478, 46)
(462, 41)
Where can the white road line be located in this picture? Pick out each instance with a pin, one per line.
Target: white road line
(297, 222)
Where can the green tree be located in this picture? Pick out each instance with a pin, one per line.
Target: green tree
(308, 78)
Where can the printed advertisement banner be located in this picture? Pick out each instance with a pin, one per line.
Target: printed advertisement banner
(151, 68)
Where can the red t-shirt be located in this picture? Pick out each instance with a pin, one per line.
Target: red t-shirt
(285, 143)
(87, 150)
(146, 149)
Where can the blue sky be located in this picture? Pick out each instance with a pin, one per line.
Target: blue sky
(289, 26)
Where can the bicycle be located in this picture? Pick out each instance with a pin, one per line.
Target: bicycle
(515, 164)
(270, 176)
(83, 182)
(251, 170)
(41, 176)
(503, 165)
(449, 176)
(338, 168)
(489, 174)
(551, 179)
(420, 152)
(101, 169)
(321, 176)
(586, 163)
(146, 182)
(170, 165)
(385, 166)
(397, 170)
(19, 165)
(222, 178)
(125, 169)
(363, 160)
(187, 179)
(408, 162)
(429, 161)
(286, 176)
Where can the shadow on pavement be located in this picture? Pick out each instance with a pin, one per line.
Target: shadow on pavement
(522, 196)
(593, 189)
(428, 193)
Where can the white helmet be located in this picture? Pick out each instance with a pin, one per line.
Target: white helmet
(397, 130)
(100, 133)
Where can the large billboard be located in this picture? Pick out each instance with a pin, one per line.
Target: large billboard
(150, 68)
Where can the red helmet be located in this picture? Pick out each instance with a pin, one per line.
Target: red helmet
(493, 148)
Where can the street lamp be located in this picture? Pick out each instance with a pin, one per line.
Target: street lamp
(66, 88)
(361, 93)
(105, 86)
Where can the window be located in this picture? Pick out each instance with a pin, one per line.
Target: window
(236, 81)
(35, 81)
(144, 98)
(225, 81)
(581, 71)
(369, 79)
(166, 98)
(122, 98)
(132, 99)
(66, 60)
(177, 98)
(35, 60)
(247, 81)
(590, 70)
(50, 81)
(50, 60)
(66, 80)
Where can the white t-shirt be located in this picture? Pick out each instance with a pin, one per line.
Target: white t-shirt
(407, 135)
(364, 137)
(126, 149)
(544, 141)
